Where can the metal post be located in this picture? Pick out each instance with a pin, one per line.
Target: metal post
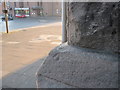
(64, 32)
(6, 16)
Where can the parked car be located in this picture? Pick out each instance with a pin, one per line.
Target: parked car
(10, 17)
(20, 16)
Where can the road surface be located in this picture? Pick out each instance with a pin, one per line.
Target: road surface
(19, 23)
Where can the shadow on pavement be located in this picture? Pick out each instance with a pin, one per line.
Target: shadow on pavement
(23, 78)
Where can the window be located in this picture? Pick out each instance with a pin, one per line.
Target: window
(14, 4)
(21, 4)
(27, 3)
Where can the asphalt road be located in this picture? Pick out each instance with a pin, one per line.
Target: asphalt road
(19, 23)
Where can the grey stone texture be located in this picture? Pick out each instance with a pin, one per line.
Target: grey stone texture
(90, 59)
(94, 25)
(46, 82)
(78, 68)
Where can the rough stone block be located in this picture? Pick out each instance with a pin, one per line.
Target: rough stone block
(94, 25)
(80, 68)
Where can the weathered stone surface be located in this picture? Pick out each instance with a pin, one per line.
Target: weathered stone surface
(94, 28)
(94, 25)
(78, 67)
(45, 82)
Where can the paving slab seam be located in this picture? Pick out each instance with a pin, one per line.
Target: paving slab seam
(59, 81)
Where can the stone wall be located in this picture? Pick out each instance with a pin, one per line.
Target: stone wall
(94, 25)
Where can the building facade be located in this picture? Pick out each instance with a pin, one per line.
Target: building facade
(0, 8)
(33, 9)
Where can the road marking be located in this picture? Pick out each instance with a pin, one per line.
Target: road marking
(57, 43)
(35, 41)
(13, 42)
(48, 38)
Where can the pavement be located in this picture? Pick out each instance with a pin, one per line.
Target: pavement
(22, 53)
(24, 77)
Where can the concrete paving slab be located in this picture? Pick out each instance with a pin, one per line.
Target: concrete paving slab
(30, 72)
(31, 69)
(38, 63)
(23, 78)
(28, 83)
(83, 68)
(13, 81)
(0, 84)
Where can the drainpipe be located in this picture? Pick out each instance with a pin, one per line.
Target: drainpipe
(64, 32)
